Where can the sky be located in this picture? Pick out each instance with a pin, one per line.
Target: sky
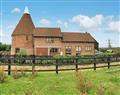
(101, 18)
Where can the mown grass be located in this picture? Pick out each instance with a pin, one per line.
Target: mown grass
(102, 81)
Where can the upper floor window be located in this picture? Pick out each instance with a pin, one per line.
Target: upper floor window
(78, 49)
(50, 40)
(88, 48)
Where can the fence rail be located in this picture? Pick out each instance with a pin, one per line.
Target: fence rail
(34, 61)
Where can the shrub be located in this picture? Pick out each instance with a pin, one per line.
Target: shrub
(22, 52)
(83, 85)
(2, 75)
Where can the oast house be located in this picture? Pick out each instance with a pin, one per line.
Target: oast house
(44, 41)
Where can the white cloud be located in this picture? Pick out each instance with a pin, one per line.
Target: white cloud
(109, 18)
(87, 22)
(59, 22)
(45, 22)
(114, 26)
(62, 23)
(98, 19)
(16, 10)
(65, 24)
(11, 27)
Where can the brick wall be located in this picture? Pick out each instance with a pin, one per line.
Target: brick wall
(41, 43)
(20, 41)
(83, 48)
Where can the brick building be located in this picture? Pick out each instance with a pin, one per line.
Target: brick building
(50, 41)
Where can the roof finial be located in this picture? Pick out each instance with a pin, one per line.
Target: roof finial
(26, 11)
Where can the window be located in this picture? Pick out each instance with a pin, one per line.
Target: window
(78, 49)
(54, 50)
(88, 48)
(68, 50)
(50, 40)
(17, 50)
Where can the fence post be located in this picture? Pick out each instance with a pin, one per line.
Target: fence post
(9, 66)
(76, 65)
(94, 63)
(56, 66)
(108, 59)
(33, 64)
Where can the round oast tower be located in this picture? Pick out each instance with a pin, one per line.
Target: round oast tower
(22, 36)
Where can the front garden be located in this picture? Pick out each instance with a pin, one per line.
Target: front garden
(89, 82)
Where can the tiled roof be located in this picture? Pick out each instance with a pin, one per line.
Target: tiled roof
(25, 26)
(48, 32)
(77, 37)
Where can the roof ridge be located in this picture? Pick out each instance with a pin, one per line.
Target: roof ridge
(75, 32)
(48, 27)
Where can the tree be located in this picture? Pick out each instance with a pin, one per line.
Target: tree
(5, 47)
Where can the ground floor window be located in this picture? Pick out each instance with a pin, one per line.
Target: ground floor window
(68, 50)
(54, 50)
(17, 50)
(78, 49)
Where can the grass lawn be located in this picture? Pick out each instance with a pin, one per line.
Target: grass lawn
(65, 83)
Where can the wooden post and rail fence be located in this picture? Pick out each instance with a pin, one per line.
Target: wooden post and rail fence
(33, 61)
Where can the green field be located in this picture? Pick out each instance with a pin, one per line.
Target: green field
(101, 81)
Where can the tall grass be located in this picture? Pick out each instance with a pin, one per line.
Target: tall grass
(100, 90)
(83, 84)
(2, 75)
(15, 73)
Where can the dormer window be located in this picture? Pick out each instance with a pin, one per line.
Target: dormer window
(50, 40)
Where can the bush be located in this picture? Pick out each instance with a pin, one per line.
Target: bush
(2, 75)
(22, 52)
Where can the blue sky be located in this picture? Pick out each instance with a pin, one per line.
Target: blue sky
(101, 18)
